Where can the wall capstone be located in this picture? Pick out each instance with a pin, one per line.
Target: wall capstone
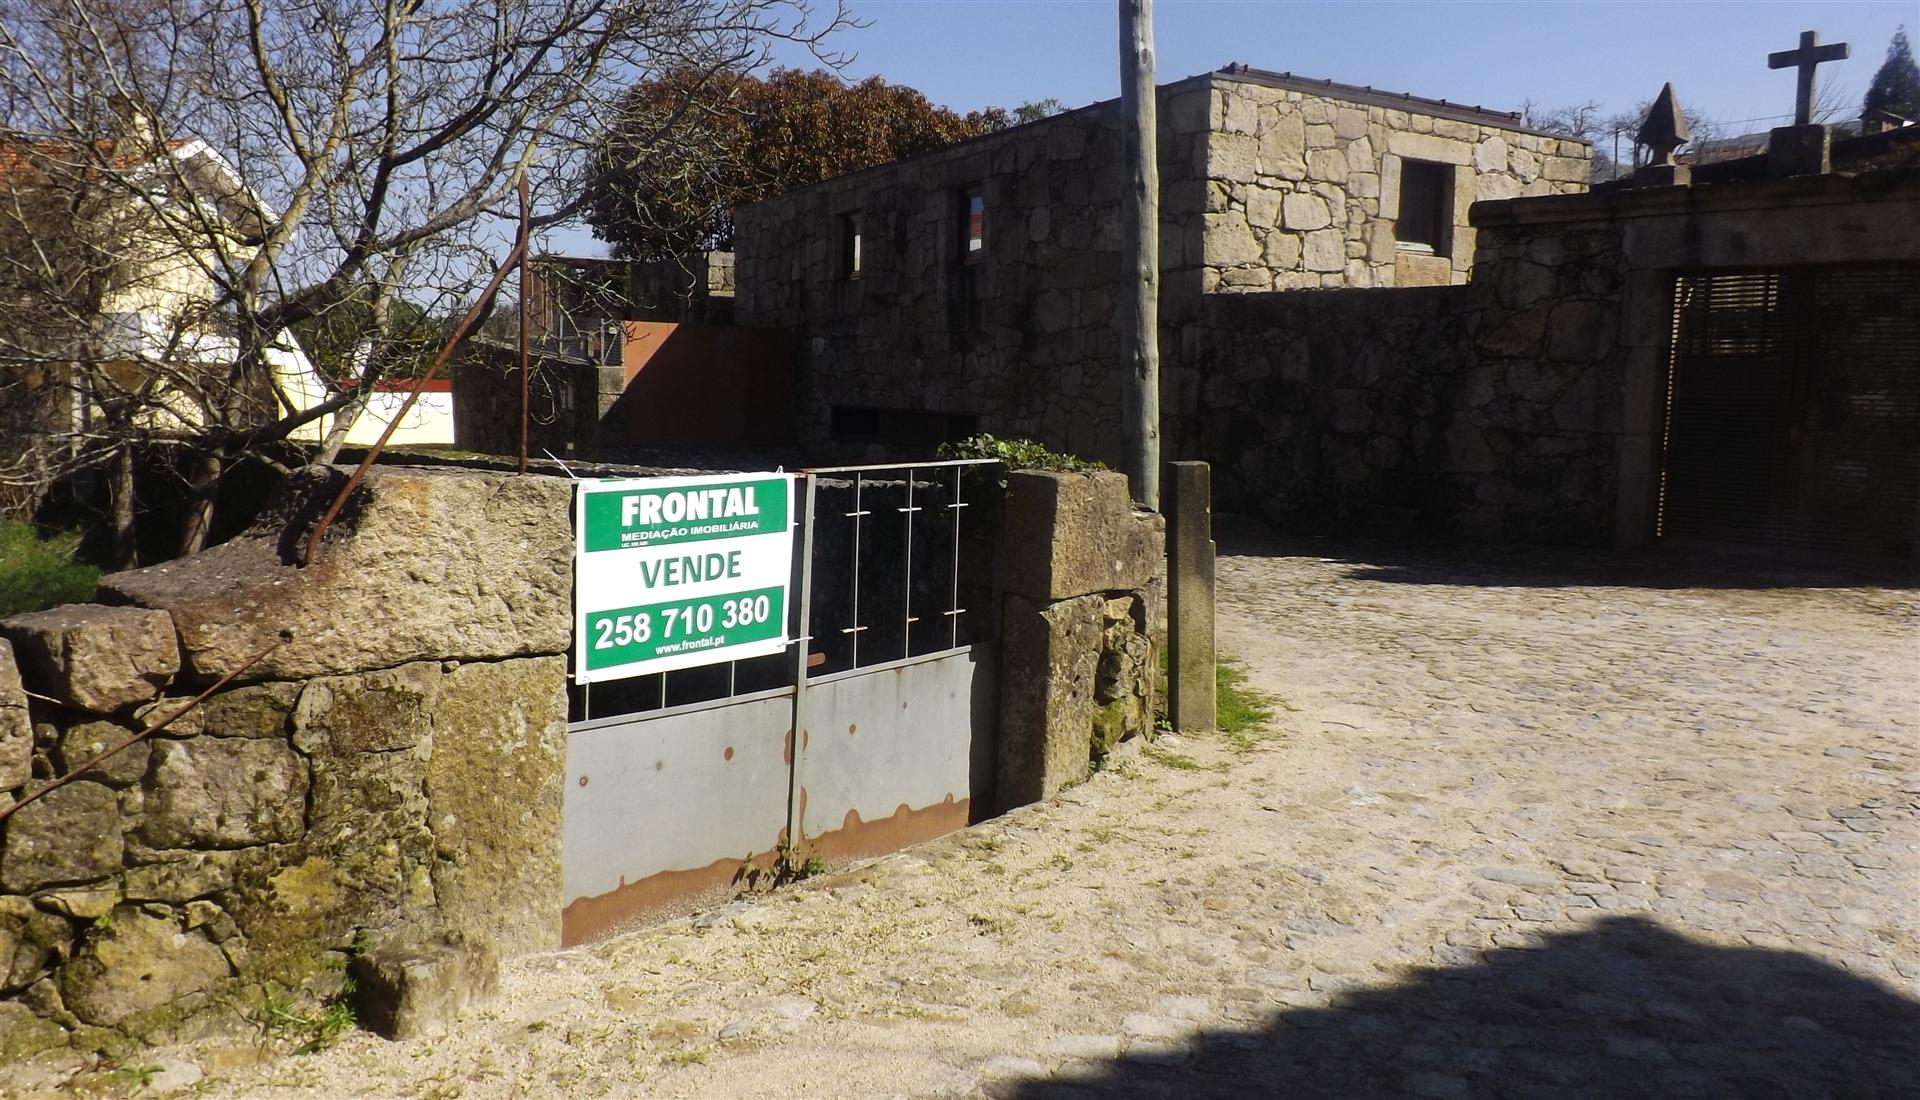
(408, 574)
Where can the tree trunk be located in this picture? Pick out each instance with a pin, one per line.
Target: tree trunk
(125, 553)
(342, 423)
(203, 488)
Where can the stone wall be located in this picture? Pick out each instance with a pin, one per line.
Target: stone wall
(390, 770)
(696, 288)
(1266, 183)
(1526, 404)
(1488, 410)
(1084, 579)
(1302, 187)
(1021, 336)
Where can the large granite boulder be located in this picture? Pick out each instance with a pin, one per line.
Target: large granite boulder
(98, 658)
(421, 565)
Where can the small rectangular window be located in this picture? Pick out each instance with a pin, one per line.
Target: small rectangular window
(1425, 218)
(973, 223)
(850, 246)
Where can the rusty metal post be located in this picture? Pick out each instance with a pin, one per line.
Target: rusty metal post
(521, 248)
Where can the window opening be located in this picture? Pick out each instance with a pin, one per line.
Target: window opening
(1426, 205)
(973, 223)
(850, 246)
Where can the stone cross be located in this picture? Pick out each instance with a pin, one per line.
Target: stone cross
(1809, 55)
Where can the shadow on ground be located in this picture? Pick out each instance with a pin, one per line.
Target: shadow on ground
(1490, 565)
(1624, 1008)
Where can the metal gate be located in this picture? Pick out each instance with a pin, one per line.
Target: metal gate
(1793, 410)
(678, 783)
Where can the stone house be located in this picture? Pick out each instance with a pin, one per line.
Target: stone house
(977, 287)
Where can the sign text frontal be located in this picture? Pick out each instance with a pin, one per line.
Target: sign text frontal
(674, 572)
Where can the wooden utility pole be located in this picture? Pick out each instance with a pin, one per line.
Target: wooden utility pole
(1140, 221)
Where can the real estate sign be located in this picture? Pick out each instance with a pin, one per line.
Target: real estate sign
(673, 572)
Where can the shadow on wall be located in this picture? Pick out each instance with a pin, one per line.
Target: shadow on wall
(1623, 1009)
(1490, 565)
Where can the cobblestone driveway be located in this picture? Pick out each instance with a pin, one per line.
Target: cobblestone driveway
(1521, 831)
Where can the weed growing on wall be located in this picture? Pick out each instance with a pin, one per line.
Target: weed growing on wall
(1018, 454)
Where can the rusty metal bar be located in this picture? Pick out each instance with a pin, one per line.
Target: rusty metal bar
(521, 248)
(149, 731)
(446, 352)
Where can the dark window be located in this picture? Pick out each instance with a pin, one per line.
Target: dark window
(973, 223)
(1426, 207)
(850, 246)
(918, 427)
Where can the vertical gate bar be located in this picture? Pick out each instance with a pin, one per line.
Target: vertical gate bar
(853, 612)
(906, 596)
(953, 605)
(663, 691)
(802, 613)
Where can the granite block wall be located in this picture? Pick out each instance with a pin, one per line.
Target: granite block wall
(1303, 188)
(389, 771)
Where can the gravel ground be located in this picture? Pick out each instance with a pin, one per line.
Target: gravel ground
(1531, 828)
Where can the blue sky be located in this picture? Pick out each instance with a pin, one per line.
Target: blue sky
(968, 54)
(972, 53)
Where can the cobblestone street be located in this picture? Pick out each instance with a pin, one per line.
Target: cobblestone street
(1537, 829)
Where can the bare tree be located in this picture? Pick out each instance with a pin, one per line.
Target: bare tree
(226, 169)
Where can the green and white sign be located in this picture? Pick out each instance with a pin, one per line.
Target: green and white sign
(674, 572)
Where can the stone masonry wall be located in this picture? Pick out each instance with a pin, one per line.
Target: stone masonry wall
(1022, 335)
(1487, 410)
(1262, 188)
(1527, 404)
(391, 768)
(1302, 189)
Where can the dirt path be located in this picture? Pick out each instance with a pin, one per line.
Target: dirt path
(1517, 833)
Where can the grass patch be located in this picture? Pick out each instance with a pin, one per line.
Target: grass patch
(1238, 708)
(1177, 761)
(37, 573)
